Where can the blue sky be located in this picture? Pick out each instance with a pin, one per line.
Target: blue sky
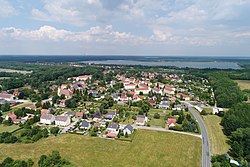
(125, 27)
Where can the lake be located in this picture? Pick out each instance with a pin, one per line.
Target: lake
(180, 64)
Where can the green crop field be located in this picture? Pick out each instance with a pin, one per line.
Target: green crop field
(149, 148)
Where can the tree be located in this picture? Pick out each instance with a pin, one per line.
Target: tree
(237, 117)
(54, 130)
(157, 116)
(240, 144)
(5, 107)
(145, 106)
(8, 122)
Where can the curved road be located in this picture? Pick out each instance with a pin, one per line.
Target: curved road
(205, 141)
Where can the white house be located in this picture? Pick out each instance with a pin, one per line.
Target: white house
(144, 90)
(129, 86)
(128, 129)
(47, 119)
(62, 120)
(83, 77)
(169, 91)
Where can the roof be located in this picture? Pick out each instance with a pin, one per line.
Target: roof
(129, 127)
(111, 135)
(85, 123)
(46, 116)
(171, 121)
(113, 125)
(61, 118)
(65, 92)
(140, 120)
(69, 113)
(5, 95)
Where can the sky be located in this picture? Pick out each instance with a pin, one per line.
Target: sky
(125, 27)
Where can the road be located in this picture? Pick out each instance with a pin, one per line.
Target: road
(205, 141)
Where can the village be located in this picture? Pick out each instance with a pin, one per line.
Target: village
(115, 109)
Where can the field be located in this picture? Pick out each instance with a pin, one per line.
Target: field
(11, 128)
(11, 70)
(149, 148)
(244, 84)
(217, 139)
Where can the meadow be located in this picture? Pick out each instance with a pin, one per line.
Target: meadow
(149, 148)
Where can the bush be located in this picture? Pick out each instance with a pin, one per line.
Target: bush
(157, 116)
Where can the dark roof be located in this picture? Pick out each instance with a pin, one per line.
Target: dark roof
(85, 123)
(97, 114)
(129, 127)
(110, 115)
(113, 125)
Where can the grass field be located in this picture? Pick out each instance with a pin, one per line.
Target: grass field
(244, 84)
(217, 139)
(11, 70)
(149, 148)
(11, 128)
(157, 122)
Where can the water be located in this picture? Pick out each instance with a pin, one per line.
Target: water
(180, 64)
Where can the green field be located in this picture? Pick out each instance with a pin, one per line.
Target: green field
(217, 139)
(11, 70)
(243, 84)
(149, 148)
(11, 128)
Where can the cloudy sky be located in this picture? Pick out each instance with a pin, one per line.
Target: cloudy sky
(125, 27)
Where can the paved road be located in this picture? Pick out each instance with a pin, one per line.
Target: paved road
(205, 140)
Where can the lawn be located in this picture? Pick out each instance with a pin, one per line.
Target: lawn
(149, 148)
(217, 139)
(157, 122)
(244, 84)
(11, 128)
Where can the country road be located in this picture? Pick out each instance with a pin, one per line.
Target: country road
(205, 141)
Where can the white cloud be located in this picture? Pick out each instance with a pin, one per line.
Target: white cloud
(94, 34)
(6, 9)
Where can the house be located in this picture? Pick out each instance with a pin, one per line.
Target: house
(178, 107)
(97, 116)
(44, 111)
(128, 129)
(141, 120)
(164, 104)
(110, 116)
(112, 127)
(66, 92)
(83, 77)
(85, 124)
(69, 113)
(152, 102)
(6, 96)
(129, 86)
(13, 117)
(171, 122)
(169, 91)
(160, 85)
(111, 135)
(157, 91)
(47, 119)
(81, 113)
(62, 120)
(183, 96)
(144, 90)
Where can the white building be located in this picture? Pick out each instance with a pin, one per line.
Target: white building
(129, 86)
(47, 119)
(62, 120)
